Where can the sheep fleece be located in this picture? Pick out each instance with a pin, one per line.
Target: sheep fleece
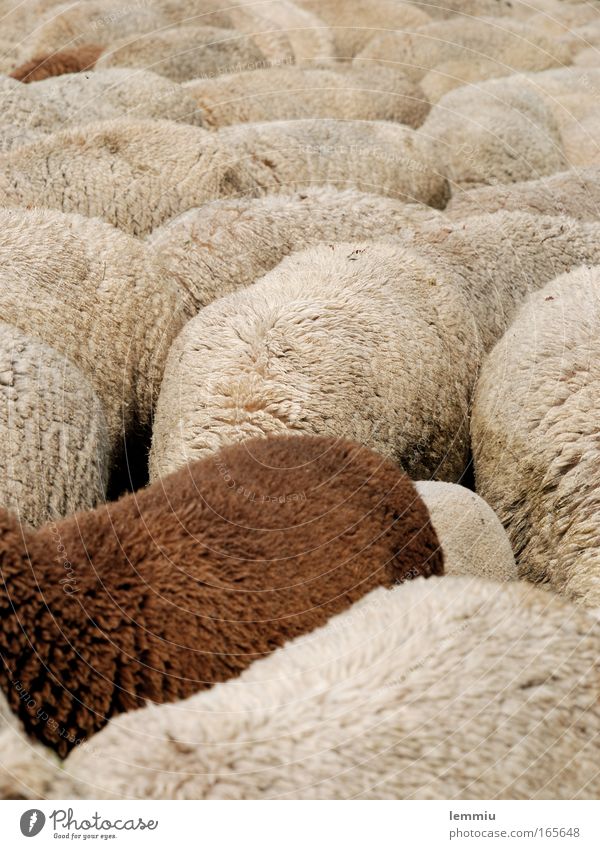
(451, 688)
(184, 584)
(535, 435)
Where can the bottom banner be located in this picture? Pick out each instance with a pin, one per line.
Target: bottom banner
(384, 825)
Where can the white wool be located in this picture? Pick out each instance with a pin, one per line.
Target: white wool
(535, 434)
(446, 688)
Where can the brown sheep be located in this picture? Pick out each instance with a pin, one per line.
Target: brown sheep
(56, 64)
(182, 585)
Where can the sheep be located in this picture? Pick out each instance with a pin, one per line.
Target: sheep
(33, 113)
(183, 584)
(54, 64)
(498, 132)
(373, 341)
(114, 93)
(54, 447)
(125, 171)
(575, 193)
(513, 45)
(470, 534)
(97, 297)
(373, 156)
(534, 435)
(24, 118)
(354, 25)
(456, 73)
(451, 688)
(290, 93)
(183, 53)
(226, 245)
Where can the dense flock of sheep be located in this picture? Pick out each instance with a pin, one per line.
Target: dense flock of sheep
(299, 392)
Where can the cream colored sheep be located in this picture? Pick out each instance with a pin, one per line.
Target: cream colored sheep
(535, 435)
(290, 93)
(24, 117)
(563, 18)
(471, 535)
(184, 53)
(498, 131)
(226, 245)
(450, 688)
(53, 436)
(354, 24)
(138, 174)
(575, 193)
(310, 39)
(377, 342)
(513, 45)
(115, 93)
(467, 9)
(96, 296)
(458, 72)
(373, 156)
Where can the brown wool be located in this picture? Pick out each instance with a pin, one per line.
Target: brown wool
(57, 63)
(186, 583)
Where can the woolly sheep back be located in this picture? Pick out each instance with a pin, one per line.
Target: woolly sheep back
(227, 245)
(367, 341)
(82, 58)
(291, 93)
(575, 193)
(97, 297)
(183, 584)
(534, 432)
(476, 680)
(125, 171)
(184, 53)
(377, 342)
(471, 535)
(54, 442)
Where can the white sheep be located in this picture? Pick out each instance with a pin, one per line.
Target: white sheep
(353, 25)
(114, 93)
(221, 247)
(377, 342)
(535, 434)
(290, 93)
(24, 117)
(54, 442)
(184, 53)
(454, 687)
(575, 193)
(513, 45)
(96, 296)
(499, 131)
(127, 172)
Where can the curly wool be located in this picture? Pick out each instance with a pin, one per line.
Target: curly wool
(575, 193)
(138, 174)
(495, 132)
(183, 584)
(450, 688)
(116, 93)
(96, 296)
(224, 246)
(24, 118)
(513, 45)
(53, 436)
(377, 342)
(292, 93)
(54, 64)
(535, 435)
(353, 25)
(183, 53)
